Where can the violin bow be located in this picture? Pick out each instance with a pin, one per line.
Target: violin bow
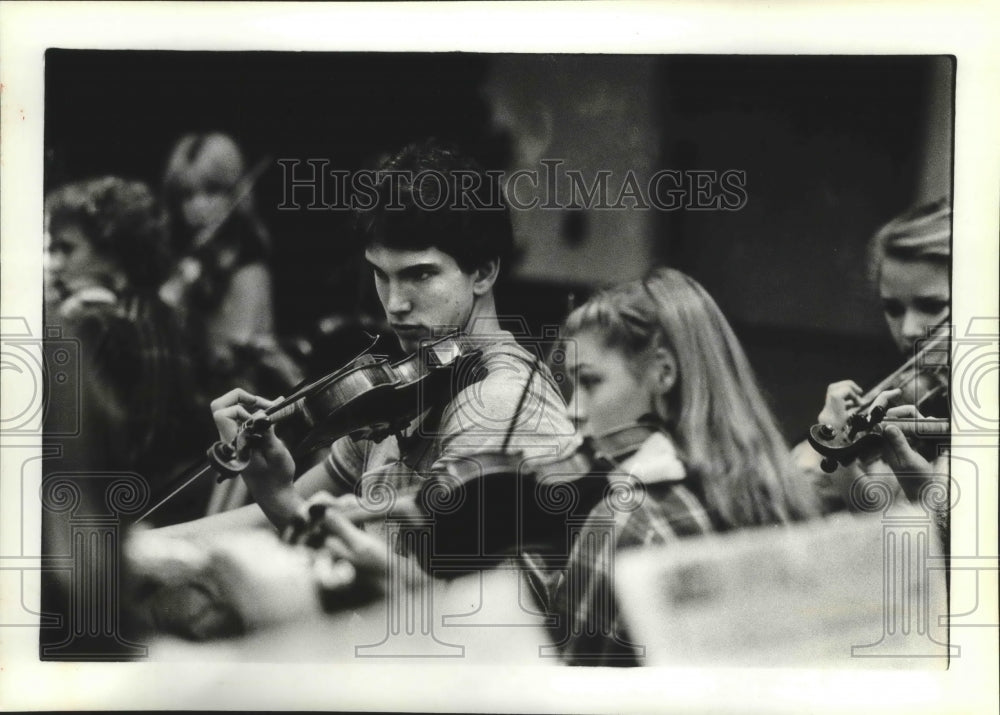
(308, 389)
(187, 480)
(940, 337)
(200, 467)
(242, 189)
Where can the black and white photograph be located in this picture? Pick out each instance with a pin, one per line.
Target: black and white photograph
(499, 357)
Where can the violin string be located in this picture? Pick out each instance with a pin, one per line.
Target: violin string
(321, 382)
(917, 422)
(304, 392)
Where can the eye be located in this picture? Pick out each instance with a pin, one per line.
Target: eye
(60, 247)
(893, 308)
(589, 382)
(215, 188)
(930, 306)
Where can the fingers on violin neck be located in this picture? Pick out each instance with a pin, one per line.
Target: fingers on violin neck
(883, 399)
(293, 532)
(317, 510)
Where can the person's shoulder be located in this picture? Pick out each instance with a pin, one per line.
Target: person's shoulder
(502, 356)
(505, 366)
(89, 313)
(499, 342)
(93, 301)
(252, 274)
(513, 387)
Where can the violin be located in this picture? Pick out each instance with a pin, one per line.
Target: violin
(863, 435)
(493, 504)
(515, 504)
(369, 398)
(922, 378)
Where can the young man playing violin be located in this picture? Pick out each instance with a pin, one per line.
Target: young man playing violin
(434, 264)
(434, 259)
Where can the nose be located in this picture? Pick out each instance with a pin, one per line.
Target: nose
(397, 300)
(54, 262)
(914, 326)
(197, 209)
(195, 203)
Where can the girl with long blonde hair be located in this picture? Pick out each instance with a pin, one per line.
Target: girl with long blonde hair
(659, 351)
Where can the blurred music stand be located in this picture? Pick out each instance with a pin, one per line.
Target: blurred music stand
(842, 592)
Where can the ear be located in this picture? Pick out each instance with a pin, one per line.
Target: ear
(485, 276)
(663, 371)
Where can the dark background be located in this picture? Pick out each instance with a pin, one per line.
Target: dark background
(833, 147)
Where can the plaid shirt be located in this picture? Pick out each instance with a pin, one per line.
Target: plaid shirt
(585, 599)
(138, 406)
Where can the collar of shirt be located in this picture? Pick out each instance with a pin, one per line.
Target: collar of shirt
(656, 460)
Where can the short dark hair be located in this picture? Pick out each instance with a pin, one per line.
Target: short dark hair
(432, 195)
(120, 218)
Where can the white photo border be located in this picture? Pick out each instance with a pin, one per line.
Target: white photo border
(964, 29)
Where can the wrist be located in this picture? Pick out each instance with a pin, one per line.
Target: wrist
(279, 505)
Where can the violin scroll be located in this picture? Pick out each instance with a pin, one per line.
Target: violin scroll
(863, 435)
(226, 460)
(921, 381)
(230, 459)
